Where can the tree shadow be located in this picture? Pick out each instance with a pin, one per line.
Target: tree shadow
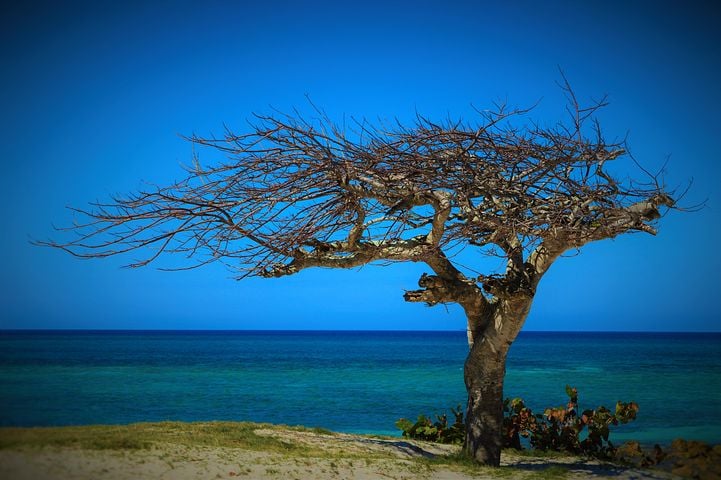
(404, 447)
(590, 469)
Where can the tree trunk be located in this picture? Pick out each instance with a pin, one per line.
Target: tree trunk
(484, 371)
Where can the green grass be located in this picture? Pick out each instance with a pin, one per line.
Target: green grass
(144, 435)
(539, 453)
(301, 428)
(549, 473)
(463, 463)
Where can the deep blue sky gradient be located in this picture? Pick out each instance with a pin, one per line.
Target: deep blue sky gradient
(94, 96)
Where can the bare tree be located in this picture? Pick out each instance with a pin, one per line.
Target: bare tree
(295, 194)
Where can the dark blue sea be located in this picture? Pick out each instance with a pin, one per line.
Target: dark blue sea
(348, 381)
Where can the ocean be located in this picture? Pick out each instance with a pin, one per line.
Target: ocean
(359, 382)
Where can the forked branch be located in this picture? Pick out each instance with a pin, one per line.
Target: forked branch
(297, 193)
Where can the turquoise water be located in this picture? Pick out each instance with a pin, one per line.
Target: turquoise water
(348, 381)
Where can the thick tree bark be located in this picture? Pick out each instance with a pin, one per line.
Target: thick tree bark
(484, 371)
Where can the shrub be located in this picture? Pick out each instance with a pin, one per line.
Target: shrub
(439, 431)
(564, 428)
(558, 429)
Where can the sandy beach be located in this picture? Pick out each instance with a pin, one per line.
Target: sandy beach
(275, 453)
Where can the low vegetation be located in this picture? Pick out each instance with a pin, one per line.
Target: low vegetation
(439, 431)
(561, 429)
(567, 430)
(145, 435)
(254, 450)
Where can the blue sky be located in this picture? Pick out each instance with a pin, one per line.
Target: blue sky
(94, 98)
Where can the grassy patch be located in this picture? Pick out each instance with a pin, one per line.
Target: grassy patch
(95, 437)
(461, 462)
(301, 428)
(537, 453)
(144, 435)
(549, 473)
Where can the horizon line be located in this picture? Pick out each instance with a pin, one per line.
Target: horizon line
(300, 330)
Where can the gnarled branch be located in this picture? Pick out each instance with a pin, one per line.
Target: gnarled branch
(296, 194)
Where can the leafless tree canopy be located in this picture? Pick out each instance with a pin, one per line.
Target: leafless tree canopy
(294, 194)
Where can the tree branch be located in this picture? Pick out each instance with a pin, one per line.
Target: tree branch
(345, 255)
(611, 223)
(296, 194)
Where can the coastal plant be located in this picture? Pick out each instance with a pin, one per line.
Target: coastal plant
(295, 193)
(518, 421)
(568, 429)
(439, 431)
(562, 429)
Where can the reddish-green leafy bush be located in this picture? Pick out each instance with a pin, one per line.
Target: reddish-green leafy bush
(566, 428)
(563, 428)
